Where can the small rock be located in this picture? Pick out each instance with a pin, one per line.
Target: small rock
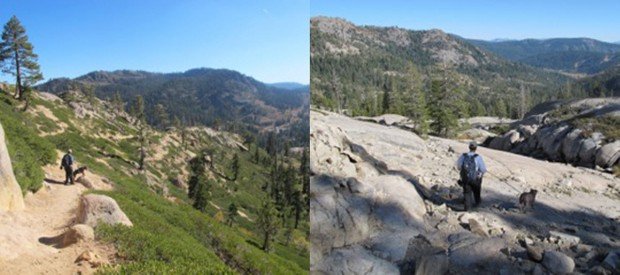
(476, 228)
(535, 253)
(566, 237)
(432, 264)
(78, 233)
(86, 256)
(557, 262)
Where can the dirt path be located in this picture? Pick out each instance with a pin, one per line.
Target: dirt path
(30, 240)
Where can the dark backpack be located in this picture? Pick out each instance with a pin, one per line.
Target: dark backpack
(469, 171)
(66, 161)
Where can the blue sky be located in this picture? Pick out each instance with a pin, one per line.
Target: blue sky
(488, 19)
(268, 40)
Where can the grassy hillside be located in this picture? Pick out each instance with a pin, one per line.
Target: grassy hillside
(169, 235)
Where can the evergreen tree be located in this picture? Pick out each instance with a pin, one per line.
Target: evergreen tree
(161, 117)
(201, 191)
(17, 57)
(444, 120)
(268, 223)
(387, 90)
(137, 111)
(117, 101)
(232, 214)
(234, 166)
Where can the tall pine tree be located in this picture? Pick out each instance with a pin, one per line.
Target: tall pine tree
(18, 58)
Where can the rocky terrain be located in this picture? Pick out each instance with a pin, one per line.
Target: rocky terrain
(385, 201)
(581, 132)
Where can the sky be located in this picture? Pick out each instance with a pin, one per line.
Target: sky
(490, 19)
(267, 40)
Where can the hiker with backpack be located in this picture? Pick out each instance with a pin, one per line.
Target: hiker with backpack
(472, 169)
(67, 164)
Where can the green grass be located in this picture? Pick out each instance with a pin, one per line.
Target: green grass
(27, 150)
(607, 125)
(167, 237)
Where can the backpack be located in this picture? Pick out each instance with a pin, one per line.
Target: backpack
(469, 169)
(66, 161)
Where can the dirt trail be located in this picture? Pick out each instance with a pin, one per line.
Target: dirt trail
(31, 240)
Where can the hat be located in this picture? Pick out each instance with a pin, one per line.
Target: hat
(69, 151)
(473, 145)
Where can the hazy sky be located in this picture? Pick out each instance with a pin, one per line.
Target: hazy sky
(268, 40)
(485, 19)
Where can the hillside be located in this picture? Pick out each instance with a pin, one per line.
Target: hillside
(385, 201)
(606, 83)
(353, 66)
(168, 234)
(210, 97)
(575, 55)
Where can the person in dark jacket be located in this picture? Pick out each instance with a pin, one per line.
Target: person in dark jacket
(67, 164)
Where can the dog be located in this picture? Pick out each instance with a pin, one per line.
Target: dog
(527, 199)
(80, 170)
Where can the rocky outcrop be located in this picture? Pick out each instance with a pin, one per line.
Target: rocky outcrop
(95, 209)
(11, 198)
(549, 132)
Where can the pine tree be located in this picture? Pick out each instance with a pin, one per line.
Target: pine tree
(234, 166)
(17, 57)
(232, 214)
(137, 111)
(444, 120)
(387, 90)
(117, 101)
(268, 222)
(162, 119)
(201, 191)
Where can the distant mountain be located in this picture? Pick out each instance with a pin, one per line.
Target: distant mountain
(289, 85)
(604, 84)
(353, 66)
(212, 97)
(576, 55)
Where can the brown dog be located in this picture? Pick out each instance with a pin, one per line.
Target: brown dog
(527, 199)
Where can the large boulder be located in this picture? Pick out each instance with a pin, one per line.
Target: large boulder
(608, 155)
(587, 152)
(354, 260)
(11, 198)
(571, 145)
(95, 209)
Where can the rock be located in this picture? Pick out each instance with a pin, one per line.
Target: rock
(470, 251)
(534, 252)
(432, 264)
(571, 145)
(90, 257)
(179, 182)
(557, 262)
(608, 155)
(476, 228)
(10, 192)
(599, 270)
(587, 152)
(565, 237)
(94, 209)
(612, 261)
(352, 260)
(539, 270)
(84, 181)
(78, 233)
(477, 135)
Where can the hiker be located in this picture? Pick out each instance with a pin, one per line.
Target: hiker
(472, 170)
(67, 164)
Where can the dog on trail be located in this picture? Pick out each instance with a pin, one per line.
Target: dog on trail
(527, 199)
(80, 170)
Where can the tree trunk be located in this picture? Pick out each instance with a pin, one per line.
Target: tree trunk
(266, 242)
(18, 78)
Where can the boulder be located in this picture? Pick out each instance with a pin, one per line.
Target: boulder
(353, 260)
(78, 233)
(468, 251)
(85, 181)
(95, 209)
(11, 198)
(475, 134)
(476, 228)
(608, 155)
(587, 152)
(564, 237)
(571, 145)
(552, 143)
(557, 262)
